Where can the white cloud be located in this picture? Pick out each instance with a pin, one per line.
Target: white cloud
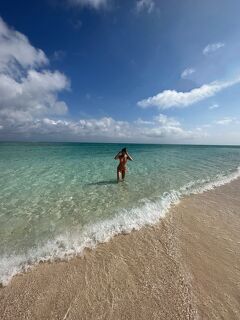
(26, 90)
(16, 52)
(161, 128)
(144, 122)
(164, 120)
(35, 94)
(172, 98)
(187, 72)
(95, 4)
(170, 128)
(214, 106)
(212, 47)
(226, 121)
(147, 5)
(104, 127)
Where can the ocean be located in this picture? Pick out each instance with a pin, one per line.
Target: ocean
(58, 198)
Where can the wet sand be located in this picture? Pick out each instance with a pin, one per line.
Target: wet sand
(185, 267)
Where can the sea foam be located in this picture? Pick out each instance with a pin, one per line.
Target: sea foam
(73, 242)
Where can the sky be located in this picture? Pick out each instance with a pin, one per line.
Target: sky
(144, 71)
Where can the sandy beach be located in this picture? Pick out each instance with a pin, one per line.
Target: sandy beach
(185, 267)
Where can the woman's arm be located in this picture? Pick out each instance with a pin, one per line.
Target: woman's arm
(129, 157)
(117, 155)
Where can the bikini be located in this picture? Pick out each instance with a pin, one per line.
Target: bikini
(121, 167)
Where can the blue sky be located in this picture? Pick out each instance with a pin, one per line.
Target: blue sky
(109, 70)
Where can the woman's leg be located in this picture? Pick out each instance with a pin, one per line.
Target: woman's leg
(123, 174)
(118, 175)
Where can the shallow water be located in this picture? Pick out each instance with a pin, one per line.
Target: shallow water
(57, 198)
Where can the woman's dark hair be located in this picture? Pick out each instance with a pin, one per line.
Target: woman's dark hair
(124, 150)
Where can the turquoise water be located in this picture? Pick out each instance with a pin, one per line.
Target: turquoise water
(57, 198)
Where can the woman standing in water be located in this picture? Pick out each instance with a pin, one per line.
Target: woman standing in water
(123, 157)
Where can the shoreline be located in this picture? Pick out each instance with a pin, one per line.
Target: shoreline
(169, 270)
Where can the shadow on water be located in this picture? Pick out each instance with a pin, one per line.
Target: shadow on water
(102, 183)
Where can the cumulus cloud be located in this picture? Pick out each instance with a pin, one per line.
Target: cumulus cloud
(164, 120)
(104, 127)
(172, 98)
(16, 51)
(34, 94)
(161, 128)
(95, 4)
(27, 90)
(147, 5)
(187, 72)
(212, 47)
(168, 127)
